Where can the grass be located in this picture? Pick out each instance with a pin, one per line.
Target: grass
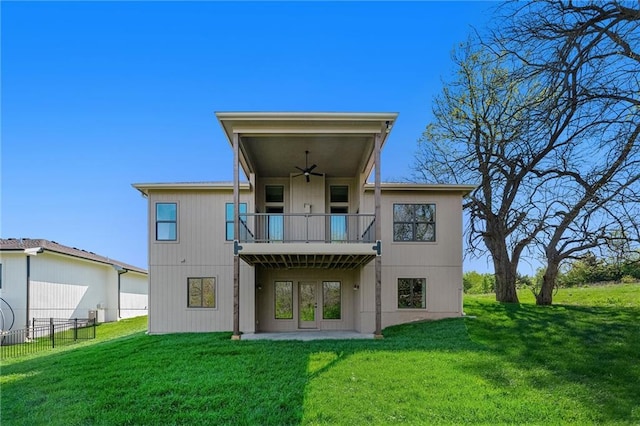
(577, 362)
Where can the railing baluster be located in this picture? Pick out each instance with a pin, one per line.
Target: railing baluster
(53, 333)
(307, 227)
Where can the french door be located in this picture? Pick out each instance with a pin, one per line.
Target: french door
(307, 304)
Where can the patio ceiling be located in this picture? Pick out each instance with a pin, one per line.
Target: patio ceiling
(316, 261)
(334, 155)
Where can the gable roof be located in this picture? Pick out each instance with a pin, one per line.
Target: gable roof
(22, 244)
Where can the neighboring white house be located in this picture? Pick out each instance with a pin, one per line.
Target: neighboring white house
(44, 279)
(307, 243)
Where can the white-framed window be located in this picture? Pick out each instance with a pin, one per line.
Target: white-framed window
(201, 292)
(414, 222)
(166, 221)
(412, 293)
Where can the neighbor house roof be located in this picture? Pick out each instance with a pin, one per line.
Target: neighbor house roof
(23, 244)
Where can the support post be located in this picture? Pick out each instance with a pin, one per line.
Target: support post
(236, 233)
(52, 331)
(378, 230)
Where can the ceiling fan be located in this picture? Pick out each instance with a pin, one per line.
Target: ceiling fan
(307, 171)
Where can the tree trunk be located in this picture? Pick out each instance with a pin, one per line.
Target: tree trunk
(505, 273)
(545, 295)
(506, 284)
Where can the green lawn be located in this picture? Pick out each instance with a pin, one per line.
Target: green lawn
(504, 364)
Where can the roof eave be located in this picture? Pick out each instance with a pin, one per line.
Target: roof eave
(144, 188)
(400, 186)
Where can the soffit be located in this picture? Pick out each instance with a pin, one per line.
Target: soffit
(335, 155)
(308, 261)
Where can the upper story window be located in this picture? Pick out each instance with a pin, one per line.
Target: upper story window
(414, 222)
(166, 221)
(274, 194)
(229, 221)
(339, 194)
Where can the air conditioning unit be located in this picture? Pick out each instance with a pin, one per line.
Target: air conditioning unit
(93, 315)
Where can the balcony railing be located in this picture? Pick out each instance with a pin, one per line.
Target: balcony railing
(306, 228)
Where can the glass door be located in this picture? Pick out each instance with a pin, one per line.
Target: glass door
(338, 207)
(307, 304)
(338, 224)
(275, 224)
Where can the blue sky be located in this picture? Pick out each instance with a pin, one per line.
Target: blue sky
(96, 96)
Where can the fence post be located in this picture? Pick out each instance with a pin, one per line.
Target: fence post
(52, 331)
(75, 329)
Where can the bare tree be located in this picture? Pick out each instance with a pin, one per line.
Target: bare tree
(545, 118)
(588, 55)
(480, 135)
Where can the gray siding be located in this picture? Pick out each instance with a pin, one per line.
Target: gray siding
(200, 251)
(439, 262)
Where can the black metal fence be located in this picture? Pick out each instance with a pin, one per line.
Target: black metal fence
(45, 333)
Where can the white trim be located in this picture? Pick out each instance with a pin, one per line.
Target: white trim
(436, 187)
(209, 186)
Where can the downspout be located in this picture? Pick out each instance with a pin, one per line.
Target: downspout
(29, 252)
(28, 291)
(120, 270)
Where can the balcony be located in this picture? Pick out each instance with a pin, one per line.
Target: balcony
(306, 228)
(300, 240)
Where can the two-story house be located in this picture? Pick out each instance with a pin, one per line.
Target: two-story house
(306, 243)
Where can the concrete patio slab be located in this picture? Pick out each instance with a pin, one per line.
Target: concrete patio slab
(307, 335)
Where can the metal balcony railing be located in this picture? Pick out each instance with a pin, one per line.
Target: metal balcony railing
(306, 228)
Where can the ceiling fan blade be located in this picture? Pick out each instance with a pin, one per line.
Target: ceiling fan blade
(301, 169)
(316, 174)
(312, 167)
(299, 174)
(307, 177)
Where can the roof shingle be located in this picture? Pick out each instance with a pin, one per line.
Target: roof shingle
(19, 244)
